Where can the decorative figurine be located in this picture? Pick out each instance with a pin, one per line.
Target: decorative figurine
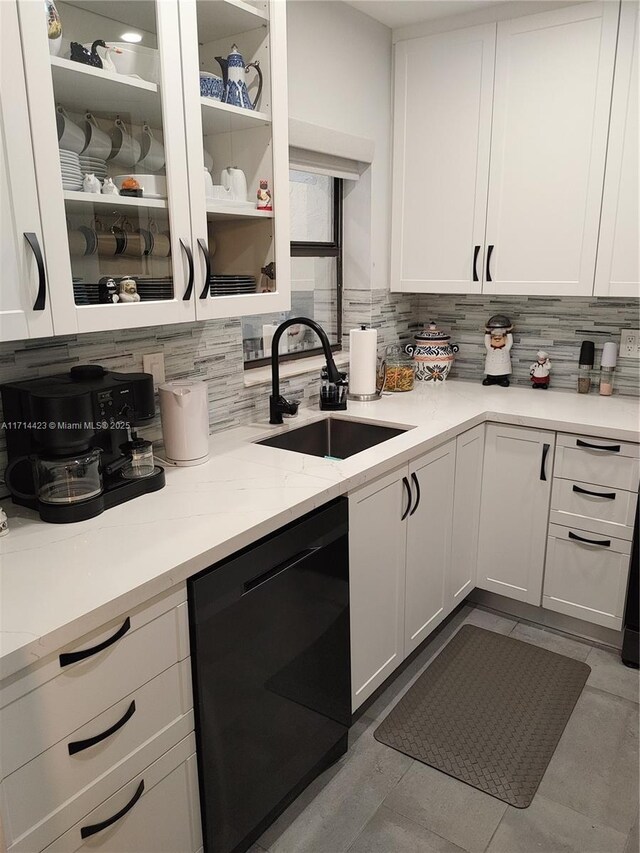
(233, 77)
(109, 188)
(131, 187)
(90, 183)
(498, 341)
(54, 28)
(128, 290)
(79, 53)
(4, 524)
(264, 196)
(540, 370)
(107, 291)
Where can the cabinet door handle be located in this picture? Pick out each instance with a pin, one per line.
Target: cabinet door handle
(86, 831)
(610, 496)
(188, 253)
(545, 451)
(80, 745)
(612, 448)
(41, 298)
(73, 657)
(604, 542)
(415, 480)
(207, 267)
(405, 483)
(476, 252)
(489, 253)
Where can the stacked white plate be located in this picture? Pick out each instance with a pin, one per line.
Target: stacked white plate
(232, 285)
(71, 172)
(93, 165)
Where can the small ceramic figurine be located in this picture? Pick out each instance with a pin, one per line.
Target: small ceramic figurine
(109, 188)
(540, 370)
(54, 27)
(128, 291)
(498, 341)
(4, 524)
(264, 196)
(90, 184)
(107, 291)
(78, 53)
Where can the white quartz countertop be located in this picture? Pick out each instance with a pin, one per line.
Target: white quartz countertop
(58, 582)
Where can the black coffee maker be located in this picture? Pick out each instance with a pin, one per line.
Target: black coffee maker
(72, 452)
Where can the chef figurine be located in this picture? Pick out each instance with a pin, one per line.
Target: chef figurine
(540, 370)
(498, 341)
(264, 196)
(128, 290)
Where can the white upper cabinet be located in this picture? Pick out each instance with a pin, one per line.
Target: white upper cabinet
(442, 129)
(552, 96)
(25, 302)
(618, 267)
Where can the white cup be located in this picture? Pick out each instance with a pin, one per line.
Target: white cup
(208, 184)
(219, 192)
(70, 136)
(97, 142)
(152, 152)
(125, 150)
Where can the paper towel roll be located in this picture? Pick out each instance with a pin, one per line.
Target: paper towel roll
(362, 361)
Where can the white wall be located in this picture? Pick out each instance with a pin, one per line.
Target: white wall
(340, 78)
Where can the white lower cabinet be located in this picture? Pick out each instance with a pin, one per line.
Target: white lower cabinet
(429, 527)
(402, 581)
(516, 492)
(377, 547)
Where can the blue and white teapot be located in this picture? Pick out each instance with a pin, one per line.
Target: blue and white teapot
(433, 354)
(233, 77)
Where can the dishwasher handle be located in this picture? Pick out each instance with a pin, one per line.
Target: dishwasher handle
(254, 583)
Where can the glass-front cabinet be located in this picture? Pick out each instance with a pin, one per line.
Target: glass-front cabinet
(157, 158)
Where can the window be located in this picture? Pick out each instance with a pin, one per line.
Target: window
(316, 273)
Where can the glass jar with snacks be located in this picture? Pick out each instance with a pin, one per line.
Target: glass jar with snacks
(400, 370)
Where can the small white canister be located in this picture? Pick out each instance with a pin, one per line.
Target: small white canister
(184, 411)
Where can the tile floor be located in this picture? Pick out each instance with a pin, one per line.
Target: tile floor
(376, 800)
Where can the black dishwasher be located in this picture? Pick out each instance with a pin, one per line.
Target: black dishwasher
(271, 669)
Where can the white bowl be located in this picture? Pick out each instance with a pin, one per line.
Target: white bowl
(136, 60)
(153, 185)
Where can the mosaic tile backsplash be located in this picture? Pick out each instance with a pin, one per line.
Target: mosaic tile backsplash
(212, 350)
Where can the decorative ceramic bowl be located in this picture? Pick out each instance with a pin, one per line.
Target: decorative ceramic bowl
(432, 353)
(211, 86)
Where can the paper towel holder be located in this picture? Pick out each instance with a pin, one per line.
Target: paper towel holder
(369, 398)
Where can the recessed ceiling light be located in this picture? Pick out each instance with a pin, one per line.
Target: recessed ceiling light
(134, 38)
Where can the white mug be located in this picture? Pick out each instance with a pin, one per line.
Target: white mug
(152, 151)
(125, 150)
(217, 191)
(70, 136)
(97, 142)
(208, 184)
(234, 179)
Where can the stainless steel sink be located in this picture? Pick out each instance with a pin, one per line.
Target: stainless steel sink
(333, 437)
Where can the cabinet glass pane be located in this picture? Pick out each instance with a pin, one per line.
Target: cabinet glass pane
(108, 96)
(235, 102)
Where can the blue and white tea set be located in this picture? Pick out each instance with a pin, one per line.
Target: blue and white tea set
(231, 88)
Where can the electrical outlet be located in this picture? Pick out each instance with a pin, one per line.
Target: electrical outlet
(630, 343)
(153, 363)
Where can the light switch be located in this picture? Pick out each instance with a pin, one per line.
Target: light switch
(153, 363)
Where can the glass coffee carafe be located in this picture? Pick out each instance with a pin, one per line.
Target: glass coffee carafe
(69, 479)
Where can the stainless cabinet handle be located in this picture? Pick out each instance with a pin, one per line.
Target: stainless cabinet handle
(41, 298)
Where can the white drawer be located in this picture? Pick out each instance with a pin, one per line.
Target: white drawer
(602, 509)
(598, 461)
(55, 776)
(163, 819)
(588, 581)
(81, 691)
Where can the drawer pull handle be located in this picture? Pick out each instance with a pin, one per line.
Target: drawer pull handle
(545, 450)
(86, 831)
(604, 542)
(405, 483)
(415, 480)
(612, 448)
(80, 745)
(610, 496)
(73, 657)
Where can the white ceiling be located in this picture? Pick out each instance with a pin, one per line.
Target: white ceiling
(403, 13)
